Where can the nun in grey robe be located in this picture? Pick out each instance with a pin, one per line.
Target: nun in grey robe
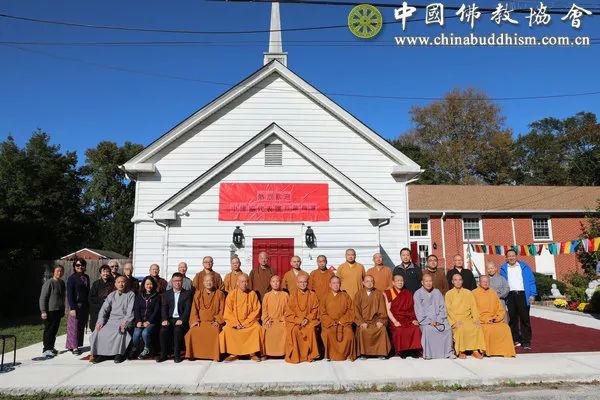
(117, 310)
(436, 340)
(500, 285)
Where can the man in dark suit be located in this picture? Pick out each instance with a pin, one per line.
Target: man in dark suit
(175, 311)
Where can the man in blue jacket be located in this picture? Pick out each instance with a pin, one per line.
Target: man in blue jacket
(522, 293)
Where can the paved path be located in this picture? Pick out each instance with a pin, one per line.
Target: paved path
(67, 373)
(567, 317)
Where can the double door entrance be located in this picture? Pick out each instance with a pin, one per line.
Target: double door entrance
(280, 251)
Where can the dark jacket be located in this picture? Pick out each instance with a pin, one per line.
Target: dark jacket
(78, 290)
(146, 308)
(184, 305)
(98, 293)
(412, 276)
(468, 278)
(132, 284)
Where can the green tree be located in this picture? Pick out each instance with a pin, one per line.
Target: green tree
(463, 140)
(590, 230)
(40, 203)
(409, 148)
(109, 196)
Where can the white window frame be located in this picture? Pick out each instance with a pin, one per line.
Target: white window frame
(547, 217)
(480, 239)
(428, 227)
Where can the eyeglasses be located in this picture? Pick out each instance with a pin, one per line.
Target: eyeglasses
(78, 265)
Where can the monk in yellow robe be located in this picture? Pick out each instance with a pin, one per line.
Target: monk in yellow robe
(498, 338)
(260, 277)
(301, 321)
(319, 279)
(206, 320)
(463, 317)
(382, 274)
(207, 263)
(241, 334)
(230, 280)
(370, 316)
(272, 338)
(337, 315)
(351, 273)
(290, 277)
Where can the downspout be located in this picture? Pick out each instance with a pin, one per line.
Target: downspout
(442, 221)
(165, 261)
(407, 225)
(512, 221)
(379, 226)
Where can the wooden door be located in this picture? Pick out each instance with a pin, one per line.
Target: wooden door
(280, 251)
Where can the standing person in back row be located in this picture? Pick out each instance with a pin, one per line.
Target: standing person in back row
(351, 273)
(410, 272)
(78, 290)
(522, 294)
(466, 274)
(52, 308)
(259, 279)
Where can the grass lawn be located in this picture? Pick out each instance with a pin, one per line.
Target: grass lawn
(29, 330)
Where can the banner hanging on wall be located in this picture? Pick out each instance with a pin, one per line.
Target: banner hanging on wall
(282, 202)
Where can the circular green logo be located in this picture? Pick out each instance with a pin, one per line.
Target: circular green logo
(365, 21)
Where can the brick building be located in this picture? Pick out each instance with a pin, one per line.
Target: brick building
(445, 219)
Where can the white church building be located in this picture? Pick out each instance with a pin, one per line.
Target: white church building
(272, 164)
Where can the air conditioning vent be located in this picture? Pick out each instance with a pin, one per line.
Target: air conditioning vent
(273, 154)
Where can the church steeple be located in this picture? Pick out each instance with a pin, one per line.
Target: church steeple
(275, 45)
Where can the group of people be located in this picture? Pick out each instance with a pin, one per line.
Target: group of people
(352, 313)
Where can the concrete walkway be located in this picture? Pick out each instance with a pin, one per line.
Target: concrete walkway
(67, 373)
(565, 316)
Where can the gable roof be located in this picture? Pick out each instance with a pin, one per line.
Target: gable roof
(274, 67)
(502, 199)
(100, 253)
(165, 210)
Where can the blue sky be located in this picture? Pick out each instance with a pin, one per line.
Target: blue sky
(80, 104)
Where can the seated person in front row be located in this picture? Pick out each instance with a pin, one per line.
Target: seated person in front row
(206, 320)
(464, 319)
(497, 335)
(301, 321)
(272, 332)
(404, 327)
(146, 311)
(241, 334)
(175, 311)
(111, 336)
(371, 321)
(337, 316)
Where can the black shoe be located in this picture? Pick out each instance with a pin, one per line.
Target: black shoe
(54, 351)
(161, 359)
(177, 360)
(362, 357)
(132, 354)
(526, 346)
(119, 359)
(76, 352)
(97, 359)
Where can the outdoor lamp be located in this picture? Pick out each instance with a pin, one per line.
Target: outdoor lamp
(310, 237)
(238, 237)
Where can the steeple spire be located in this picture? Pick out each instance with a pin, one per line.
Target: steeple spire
(275, 45)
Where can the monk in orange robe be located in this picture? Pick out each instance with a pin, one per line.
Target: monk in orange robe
(301, 321)
(241, 334)
(290, 277)
(319, 279)
(497, 335)
(351, 274)
(230, 280)
(207, 263)
(381, 273)
(260, 277)
(206, 319)
(272, 338)
(370, 316)
(337, 315)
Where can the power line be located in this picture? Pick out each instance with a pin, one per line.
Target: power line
(331, 94)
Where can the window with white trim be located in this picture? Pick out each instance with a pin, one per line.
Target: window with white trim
(541, 228)
(418, 226)
(472, 229)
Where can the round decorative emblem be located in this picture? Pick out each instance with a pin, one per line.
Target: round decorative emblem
(365, 21)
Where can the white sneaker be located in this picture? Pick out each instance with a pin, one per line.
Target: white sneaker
(48, 353)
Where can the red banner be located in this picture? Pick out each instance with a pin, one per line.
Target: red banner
(285, 202)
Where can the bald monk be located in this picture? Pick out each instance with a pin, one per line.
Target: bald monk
(370, 316)
(382, 274)
(272, 338)
(230, 281)
(497, 335)
(337, 315)
(319, 279)
(404, 327)
(351, 273)
(206, 320)
(463, 316)
(241, 334)
(260, 277)
(207, 264)
(290, 277)
(301, 321)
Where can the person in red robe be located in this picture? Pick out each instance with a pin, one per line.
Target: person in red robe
(404, 327)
